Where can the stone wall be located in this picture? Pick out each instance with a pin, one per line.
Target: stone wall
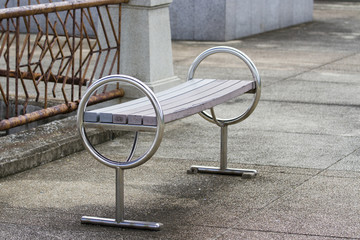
(223, 20)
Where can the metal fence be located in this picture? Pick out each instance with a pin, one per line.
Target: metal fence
(51, 50)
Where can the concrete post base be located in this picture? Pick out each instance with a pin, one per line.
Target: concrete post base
(146, 51)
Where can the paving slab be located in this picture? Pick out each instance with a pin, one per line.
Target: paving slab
(322, 206)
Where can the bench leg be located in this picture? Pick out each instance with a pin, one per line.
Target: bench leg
(119, 214)
(223, 169)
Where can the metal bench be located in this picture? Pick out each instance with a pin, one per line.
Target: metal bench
(152, 112)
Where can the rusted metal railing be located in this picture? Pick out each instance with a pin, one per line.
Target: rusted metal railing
(55, 49)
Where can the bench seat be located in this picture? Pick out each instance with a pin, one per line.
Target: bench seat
(178, 102)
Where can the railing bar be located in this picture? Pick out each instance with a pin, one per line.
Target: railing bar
(86, 59)
(63, 24)
(76, 24)
(35, 76)
(103, 27)
(85, 31)
(41, 74)
(45, 47)
(36, 42)
(103, 67)
(2, 27)
(111, 24)
(51, 76)
(7, 115)
(37, 24)
(47, 40)
(17, 51)
(29, 64)
(95, 67)
(4, 43)
(65, 80)
(73, 56)
(104, 49)
(26, 39)
(27, 24)
(26, 95)
(57, 77)
(50, 43)
(63, 58)
(58, 42)
(97, 43)
(59, 109)
(76, 48)
(14, 25)
(66, 33)
(66, 65)
(11, 41)
(34, 83)
(81, 50)
(3, 95)
(29, 42)
(68, 41)
(45, 8)
(119, 40)
(26, 43)
(90, 56)
(3, 32)
(112, 63)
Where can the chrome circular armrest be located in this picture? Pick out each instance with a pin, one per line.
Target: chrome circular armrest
(255, 74)
(159, 117)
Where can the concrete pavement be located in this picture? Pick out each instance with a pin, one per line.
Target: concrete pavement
(303, 138)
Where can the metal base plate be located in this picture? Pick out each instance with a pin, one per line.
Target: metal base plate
(124, 224)
(244, 173)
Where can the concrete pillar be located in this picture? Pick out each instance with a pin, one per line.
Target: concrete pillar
(146, 51)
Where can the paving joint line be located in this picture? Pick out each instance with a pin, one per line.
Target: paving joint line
(289, 233)
(312, 103)
(301, 133)
(314, 68)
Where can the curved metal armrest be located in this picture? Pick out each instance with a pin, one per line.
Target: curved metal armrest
(159, 116)
(255, 74)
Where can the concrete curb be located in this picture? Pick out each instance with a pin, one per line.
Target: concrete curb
(46, 143)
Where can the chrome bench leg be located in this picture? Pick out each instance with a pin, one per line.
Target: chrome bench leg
(223, 169)
(119, 220)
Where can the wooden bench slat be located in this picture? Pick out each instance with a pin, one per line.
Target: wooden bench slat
(94, 115)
